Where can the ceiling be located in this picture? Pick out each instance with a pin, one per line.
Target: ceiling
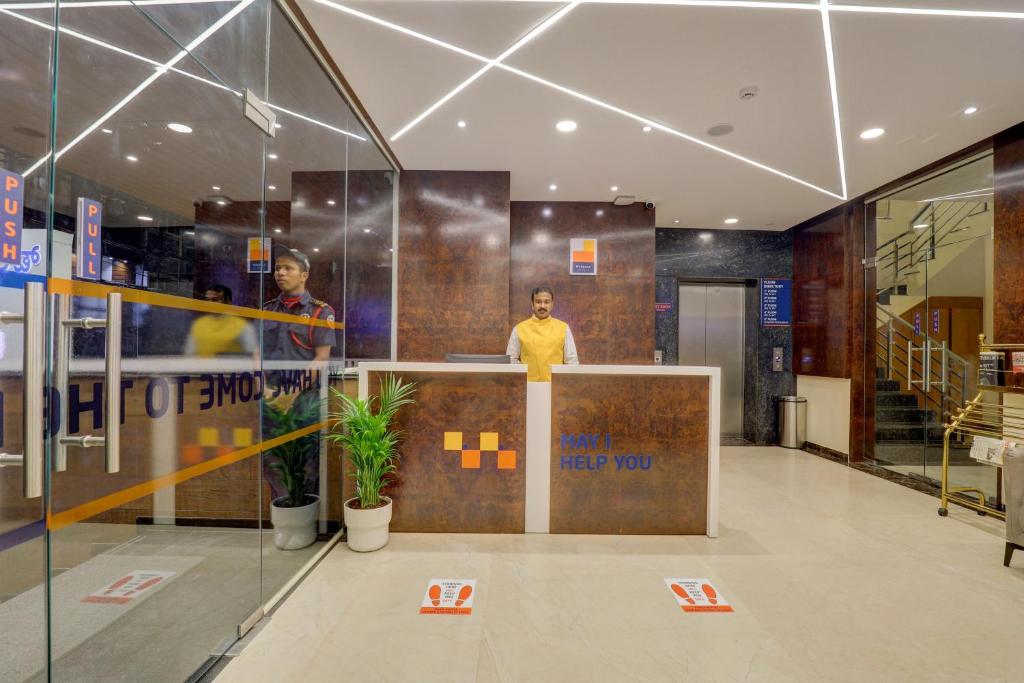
(681, 68)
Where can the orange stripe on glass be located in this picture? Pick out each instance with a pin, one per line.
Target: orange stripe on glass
(136, 296)
(109, 502)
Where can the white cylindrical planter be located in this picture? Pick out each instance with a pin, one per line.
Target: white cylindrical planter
(294, 528)
(367, 529)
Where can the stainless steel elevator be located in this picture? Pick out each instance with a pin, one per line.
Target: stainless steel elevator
(711, 319)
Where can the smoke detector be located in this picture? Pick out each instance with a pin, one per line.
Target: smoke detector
(720, 130)
(748, 92)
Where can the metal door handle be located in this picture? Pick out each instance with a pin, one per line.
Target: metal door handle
(112, 372)
(111, 441)
(33, 347)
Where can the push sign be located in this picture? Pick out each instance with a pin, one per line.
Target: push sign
(12, 197)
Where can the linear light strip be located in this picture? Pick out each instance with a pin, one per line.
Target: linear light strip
(161, 70)
(153, 62)
(868, 9)
(536, 31)
(573, 93)
(830, 58)
(957, 197)
(105, 3)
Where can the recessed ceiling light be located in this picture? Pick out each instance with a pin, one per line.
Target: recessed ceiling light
(705, 236)
(316, 248)
(732, 221)
(546, 211)
(131, 157)
(367, 230)
(675, 221)
(271, 156)
(647, 129)
(277, 230)
(615, 188)
(216, 187)
(331, 202)
(970, 110)
(145, 219)
(872, 133)
(179, 127)
(271, 187)
(190, 232)
(107, 131)
(391, 250)
(221, 202)
(566, 126)
(278, 126)
(920, 225)
(552, 187)
(461, 124)
(600, 212)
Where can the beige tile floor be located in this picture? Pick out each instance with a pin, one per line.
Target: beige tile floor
(835, 575)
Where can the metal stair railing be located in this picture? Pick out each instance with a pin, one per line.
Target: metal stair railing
(941, 377)
(905, 251)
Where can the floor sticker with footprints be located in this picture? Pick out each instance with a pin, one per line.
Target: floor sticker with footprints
(697, 595)
(449, 596)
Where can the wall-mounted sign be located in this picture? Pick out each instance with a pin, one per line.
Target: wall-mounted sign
(89, 235)
(917, 322)
(12, 196)
(935, 321)
(776, 302)
(259, 255)
(582, 256)
(662, 307)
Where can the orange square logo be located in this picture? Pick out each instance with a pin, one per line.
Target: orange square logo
(470, 460)
(506, 460)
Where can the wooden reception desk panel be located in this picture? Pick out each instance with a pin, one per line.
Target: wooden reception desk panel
(630, 451)
(455, 484)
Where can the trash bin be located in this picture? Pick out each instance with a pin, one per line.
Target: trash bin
(792, 421)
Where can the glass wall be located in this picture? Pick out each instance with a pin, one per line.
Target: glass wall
(198, 275)
(932, 239)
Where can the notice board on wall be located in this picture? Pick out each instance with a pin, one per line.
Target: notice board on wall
(776, 302)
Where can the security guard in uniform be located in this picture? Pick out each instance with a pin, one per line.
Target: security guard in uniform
(294, 342)
(301, 345)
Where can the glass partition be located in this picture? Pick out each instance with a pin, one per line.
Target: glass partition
(181, 372)
(932, 240)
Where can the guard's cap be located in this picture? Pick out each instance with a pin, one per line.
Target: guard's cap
(298, 256)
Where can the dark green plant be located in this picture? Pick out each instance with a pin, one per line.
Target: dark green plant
(291, 459)
(363, 429)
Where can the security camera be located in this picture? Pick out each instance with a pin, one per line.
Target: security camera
(648, 205)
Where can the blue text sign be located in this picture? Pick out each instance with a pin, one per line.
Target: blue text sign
(776, 302)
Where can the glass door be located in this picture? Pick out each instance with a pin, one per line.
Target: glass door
(933, 284)
(26, 65)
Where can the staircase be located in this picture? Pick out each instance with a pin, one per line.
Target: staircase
(901, 426)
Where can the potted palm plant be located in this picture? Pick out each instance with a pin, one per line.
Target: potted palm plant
(293, 514)
(363, 428)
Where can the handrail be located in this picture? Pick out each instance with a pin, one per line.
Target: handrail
(904, 323)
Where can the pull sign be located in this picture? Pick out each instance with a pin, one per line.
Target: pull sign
(260, 114)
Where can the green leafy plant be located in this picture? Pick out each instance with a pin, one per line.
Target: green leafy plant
(366, 434)
(291, 459)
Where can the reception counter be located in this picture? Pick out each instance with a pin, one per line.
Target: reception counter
(614, 449)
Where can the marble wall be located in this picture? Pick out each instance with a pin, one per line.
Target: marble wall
(1009, 236)
(732, 255)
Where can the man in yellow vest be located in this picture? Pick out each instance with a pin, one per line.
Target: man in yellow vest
(542, 341)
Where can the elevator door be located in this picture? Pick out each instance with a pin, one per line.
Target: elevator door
(711, 334)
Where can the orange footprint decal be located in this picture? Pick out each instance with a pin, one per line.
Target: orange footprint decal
(435, 595)
(712, 596)
(463, 595)
(681, 592)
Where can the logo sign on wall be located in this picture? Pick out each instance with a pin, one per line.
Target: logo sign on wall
(12, 195)
(89, 235)
(776, 303)
(582, 256)
(489, 443)
(259, 255)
